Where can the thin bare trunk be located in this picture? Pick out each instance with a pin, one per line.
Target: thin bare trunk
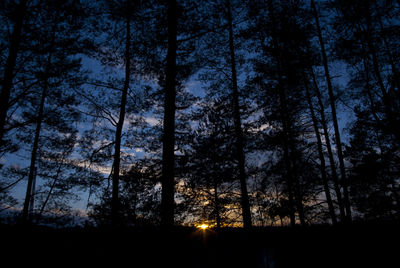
(168, 157)
(55, 179)
(115, 206)
(334, 115)
(321, 155)
(35, 146)
(296, 183)
(329, 149)
(238, 128)
(284, 113)
(216, 203)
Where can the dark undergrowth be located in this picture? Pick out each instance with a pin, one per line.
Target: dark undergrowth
(355, 245)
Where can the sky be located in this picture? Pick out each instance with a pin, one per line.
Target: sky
(193, 86)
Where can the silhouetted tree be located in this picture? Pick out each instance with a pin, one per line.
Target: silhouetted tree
(139, 198)
(327, 142)
(59, 71)
(321, 155)
(181, 35)
(332, 100)
(209, 164)
(285, 88)
(374, 172)
(174, 112)
(238, 123)
(223, 62)
(168, 138)
(120, 41)
(284, 91)
(368, 44)
(17, 16)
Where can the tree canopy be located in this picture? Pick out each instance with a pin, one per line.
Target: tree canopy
(181, 112)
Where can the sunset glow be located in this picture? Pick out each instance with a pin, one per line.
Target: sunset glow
(203, 226)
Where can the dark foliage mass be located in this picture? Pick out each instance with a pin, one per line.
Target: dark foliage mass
(228, 113)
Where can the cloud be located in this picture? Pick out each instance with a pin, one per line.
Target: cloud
(152, 121)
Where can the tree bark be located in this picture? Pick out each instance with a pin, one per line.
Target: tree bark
(168, 157)
(115, 205)
(334, 117)
(15, 41)
(246, 214)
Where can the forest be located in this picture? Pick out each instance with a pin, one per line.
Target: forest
(219, 113)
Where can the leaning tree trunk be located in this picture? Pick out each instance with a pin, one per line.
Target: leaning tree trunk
(35, 147)
(238, 129)
(15, 40)
(321, 156)
(334, 117)
(168, 153)
(53, 185)
(39, 120)
(329, 150)
(115, 219)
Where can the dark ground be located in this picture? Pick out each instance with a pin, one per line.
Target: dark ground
(357, 245)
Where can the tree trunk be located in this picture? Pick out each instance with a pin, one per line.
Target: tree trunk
(246, 214)
(216, 202)
(321, 156)
(39, 119)
(284, 113)
(393, 125)
(15, 40)
(167, 198)
(289, 180)
(296, 183)
(115, 217)
(329, 149)
(334, 118)
(372, 103)
(391, 57)
(55, 179)
(51, 189)
(375, 62)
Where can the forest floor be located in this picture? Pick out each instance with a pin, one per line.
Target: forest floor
(356, 245)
